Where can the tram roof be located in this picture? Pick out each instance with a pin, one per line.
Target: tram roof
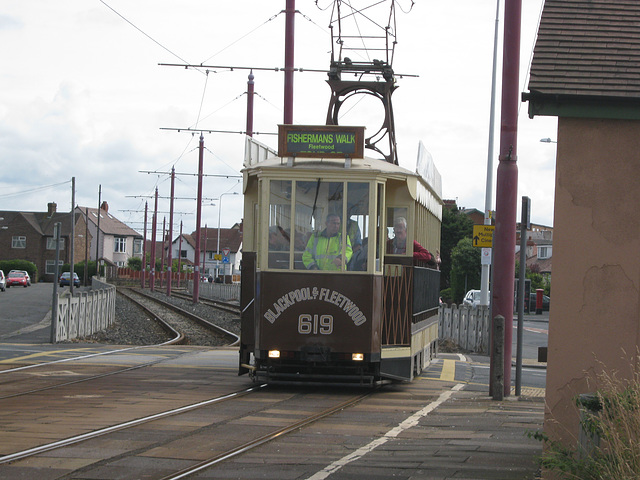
(421, 190)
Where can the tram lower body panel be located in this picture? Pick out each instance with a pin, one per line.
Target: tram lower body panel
(322, 327)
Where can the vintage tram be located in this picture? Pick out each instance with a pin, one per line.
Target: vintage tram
(327, 295)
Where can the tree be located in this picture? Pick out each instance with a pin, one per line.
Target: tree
(455, 227)
(465, 269)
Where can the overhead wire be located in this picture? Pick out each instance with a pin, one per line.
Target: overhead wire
(36, 189)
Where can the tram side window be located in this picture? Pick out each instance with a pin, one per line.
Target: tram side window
(279, 224)
(397, 230)
(358, 224)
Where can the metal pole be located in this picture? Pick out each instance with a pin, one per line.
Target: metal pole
(488, 199)
(507, 183)
(288, 60)
(144, 247)
(54, 300)
(524, 222)
(498, 359)
(73, 233)
(196, 263)
(169, 254)
(152, 260)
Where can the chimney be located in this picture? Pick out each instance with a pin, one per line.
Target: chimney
(51, 208)
(105, 207)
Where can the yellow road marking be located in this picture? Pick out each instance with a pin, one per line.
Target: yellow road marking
(44, 354)
(448, 370)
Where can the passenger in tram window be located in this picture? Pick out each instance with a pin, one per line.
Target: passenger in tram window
(398, 244)
(324, 249)
(358, 261)
(355, 237)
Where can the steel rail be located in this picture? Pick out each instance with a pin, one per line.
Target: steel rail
(264, 439)
(121, 426)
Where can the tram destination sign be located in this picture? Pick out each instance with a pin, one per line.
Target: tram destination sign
(326, 141)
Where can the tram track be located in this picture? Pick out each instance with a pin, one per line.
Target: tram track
(196, 330)
(267, 407)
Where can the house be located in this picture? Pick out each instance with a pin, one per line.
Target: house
(586, 72)
(230, 238)
(30, 236)
(116, 241)
(539, 248)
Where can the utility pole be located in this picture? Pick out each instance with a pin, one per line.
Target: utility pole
(180, 255)
(250, 94)
(86, 247)
(507, 183)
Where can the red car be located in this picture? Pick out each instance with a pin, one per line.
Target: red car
(16, 278)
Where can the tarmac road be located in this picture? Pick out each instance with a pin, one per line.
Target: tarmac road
(25, 313)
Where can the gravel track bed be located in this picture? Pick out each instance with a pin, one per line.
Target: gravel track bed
(132, 326)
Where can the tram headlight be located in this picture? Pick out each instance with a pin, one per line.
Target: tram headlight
(357, 357)
(274, 353)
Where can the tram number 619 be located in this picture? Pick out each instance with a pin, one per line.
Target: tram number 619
(314, 324)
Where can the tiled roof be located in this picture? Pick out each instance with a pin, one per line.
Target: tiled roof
(109, 224)
(588, 48)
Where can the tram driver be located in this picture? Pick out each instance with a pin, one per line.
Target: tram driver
(324, 249)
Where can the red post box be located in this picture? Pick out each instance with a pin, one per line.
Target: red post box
(539, 293)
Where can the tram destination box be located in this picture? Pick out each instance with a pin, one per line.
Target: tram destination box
(326, 141)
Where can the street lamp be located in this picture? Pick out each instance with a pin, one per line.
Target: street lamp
(219, 212)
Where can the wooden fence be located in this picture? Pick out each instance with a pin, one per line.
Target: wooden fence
(468, 327)
(85, 313)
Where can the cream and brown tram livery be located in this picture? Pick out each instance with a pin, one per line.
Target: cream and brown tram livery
(339, 282)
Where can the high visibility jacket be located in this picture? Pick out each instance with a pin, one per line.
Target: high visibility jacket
(321, 251)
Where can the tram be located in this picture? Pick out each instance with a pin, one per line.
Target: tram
(331, 293)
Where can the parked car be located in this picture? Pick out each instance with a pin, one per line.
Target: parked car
(472, 298)
(3, 281)
(64, 279)
(532, 302)
(26, 274)
(16, 278)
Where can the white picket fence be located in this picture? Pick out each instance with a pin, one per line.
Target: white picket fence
(228, 292)
(86, 312)
(466, 326)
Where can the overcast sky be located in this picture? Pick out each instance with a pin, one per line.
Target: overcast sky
(82, 95)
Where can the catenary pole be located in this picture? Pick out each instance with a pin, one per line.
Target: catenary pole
(289, 60)
(73, 234)
(144, 247)
(196, 262)
(250, 95)
(169, 253)
(152, 260)
(507, 183)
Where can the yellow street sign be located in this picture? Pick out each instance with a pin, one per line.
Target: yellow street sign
(483, 236)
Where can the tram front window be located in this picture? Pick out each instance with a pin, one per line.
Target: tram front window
(318, 224)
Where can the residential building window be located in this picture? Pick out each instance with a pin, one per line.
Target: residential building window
(121, 264)
(137, 245)
(50, 267)
(18, 242)
(183, 254)
(51, 243)
(120, 244)
(544, 252)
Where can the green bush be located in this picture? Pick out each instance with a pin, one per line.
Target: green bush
(7, 265)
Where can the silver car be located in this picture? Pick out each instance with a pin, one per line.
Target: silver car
(3, 282)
